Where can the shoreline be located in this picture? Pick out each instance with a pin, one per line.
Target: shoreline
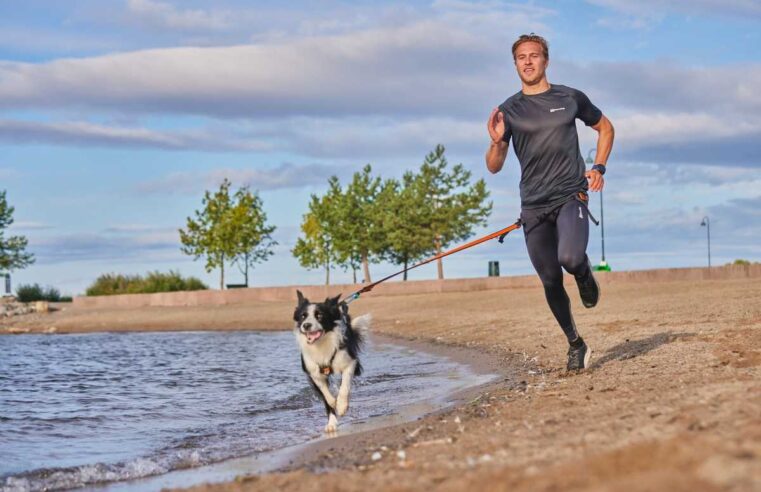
(311, 454)
(671, 401)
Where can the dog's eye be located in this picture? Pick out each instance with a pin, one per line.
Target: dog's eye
(303, 315)
(318, 315)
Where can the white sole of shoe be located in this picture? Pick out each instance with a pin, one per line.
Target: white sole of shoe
(587, 356)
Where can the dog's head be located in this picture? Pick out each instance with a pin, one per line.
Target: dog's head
(313, 320)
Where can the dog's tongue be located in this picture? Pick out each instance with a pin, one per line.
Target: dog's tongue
(313, 335)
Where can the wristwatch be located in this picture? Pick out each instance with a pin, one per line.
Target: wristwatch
(600, 168)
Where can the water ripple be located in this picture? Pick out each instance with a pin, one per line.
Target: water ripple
(87, 409)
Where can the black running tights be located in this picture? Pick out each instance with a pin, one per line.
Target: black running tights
(557, 242)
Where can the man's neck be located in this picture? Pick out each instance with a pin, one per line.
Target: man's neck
(537, 88)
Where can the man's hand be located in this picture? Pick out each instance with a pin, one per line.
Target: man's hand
(496, 125)
(596, 181)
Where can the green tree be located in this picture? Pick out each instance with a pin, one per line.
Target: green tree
(210, 234)
(360, 236)
(13, 255)
(405, 219)
(229, 229)
(453, 206)
(253, 236)
(316, 248)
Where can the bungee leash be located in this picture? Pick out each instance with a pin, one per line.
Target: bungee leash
(499, 234)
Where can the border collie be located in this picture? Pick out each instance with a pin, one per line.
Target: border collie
(329, 345)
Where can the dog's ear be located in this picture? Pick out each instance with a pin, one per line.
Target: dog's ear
(333, 300)
(302, 299)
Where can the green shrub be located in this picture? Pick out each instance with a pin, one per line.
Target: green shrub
(111, 284)
(52, 294)
(740, 262)
(29, 293)
(35, 292)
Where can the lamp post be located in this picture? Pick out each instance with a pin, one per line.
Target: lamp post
(7, 277)
(603, 264)
(707, 223)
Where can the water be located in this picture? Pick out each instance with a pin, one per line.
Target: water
(86, 409)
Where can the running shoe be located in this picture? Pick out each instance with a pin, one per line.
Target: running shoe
(578, 355)
(589, 289)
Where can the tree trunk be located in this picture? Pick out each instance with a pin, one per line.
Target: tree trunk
(439, 263)
(366, 268)
(245, 270)
(327, 272)
(222, 275)
(405, 268)
(354, 273)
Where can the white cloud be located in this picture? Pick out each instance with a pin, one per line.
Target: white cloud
(28, 39)
(644, 135)
(639, 86)
(30, 226)
(427, 68)
(389, 90)
(8, 173)
(647, 10)
(164, 14)
(656, 127)
(139, 229)
(364, 138)
(284, 176)
(430, 66)
(99, 247)
(79, 133)
(495, 16)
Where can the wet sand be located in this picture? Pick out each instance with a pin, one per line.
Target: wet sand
(672, 400)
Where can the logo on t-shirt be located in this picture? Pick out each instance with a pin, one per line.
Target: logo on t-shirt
(552, 110)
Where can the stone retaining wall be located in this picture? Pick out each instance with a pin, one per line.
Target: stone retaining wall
(394, 287)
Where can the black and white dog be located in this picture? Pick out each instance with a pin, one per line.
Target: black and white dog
(330, 344)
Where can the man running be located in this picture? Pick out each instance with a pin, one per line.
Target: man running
(541, 121)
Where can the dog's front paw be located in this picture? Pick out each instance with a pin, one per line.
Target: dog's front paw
(342, 405)
(332, 426)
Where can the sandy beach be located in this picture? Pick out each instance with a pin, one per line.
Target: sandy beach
(672, 400)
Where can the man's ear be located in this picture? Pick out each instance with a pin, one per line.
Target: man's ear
(302, 299)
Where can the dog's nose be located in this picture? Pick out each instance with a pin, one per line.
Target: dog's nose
(306, 326)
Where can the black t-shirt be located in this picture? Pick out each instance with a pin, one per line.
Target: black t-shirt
(543, 129)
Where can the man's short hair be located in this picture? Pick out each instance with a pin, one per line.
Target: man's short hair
(525, 38)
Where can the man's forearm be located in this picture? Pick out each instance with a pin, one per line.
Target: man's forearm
(495, 156)
(604, 142)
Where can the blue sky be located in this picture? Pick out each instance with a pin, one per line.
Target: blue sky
(115, 116)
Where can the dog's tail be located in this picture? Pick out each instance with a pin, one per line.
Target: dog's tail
(361, 327)
(361, 324)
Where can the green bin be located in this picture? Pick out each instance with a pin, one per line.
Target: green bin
(494, 269)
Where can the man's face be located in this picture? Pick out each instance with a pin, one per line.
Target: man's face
(530, 62)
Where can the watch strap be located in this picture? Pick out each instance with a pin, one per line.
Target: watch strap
(600, 168)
